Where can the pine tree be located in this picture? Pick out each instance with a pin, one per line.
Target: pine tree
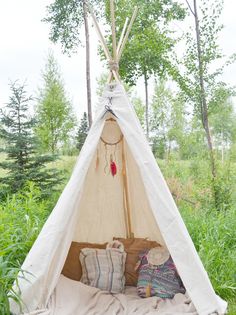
(22, 163)
(82, 131)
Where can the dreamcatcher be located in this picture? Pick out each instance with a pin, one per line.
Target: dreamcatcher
(111, 164)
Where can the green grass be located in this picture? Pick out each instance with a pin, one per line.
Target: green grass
(21, 219)
(213, 233)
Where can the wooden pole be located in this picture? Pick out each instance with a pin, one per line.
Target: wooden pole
(103, 43)
(122, 35)
(119, 45)
(88, 80)
(102, 40)
(130, 234)
(127, 33)
(116, 53)
(113, 29)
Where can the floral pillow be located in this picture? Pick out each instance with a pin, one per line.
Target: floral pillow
(158, 275)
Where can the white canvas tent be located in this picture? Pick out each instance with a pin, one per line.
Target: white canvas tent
(95, 207)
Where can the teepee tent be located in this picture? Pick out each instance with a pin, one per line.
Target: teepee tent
(96, 206)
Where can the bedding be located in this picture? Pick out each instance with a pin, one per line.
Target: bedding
(75, 298)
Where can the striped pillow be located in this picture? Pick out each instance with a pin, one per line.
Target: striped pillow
(103, 268)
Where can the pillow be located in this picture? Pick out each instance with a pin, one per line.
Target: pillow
(158, 275)
(72, 268)
(133, 246)
(104, 268)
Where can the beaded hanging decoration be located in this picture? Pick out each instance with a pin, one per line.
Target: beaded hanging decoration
(112, 162)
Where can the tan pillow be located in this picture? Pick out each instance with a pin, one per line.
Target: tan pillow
(72, 268)
(133, 246)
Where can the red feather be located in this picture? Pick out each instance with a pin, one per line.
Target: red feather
(113, 168)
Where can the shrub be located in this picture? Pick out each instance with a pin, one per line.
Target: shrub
(21, 218)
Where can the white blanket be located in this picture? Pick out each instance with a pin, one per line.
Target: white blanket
(74, 298)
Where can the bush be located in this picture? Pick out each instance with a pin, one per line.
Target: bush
(22, 216)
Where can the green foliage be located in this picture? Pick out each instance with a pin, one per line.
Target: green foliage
(212, 231)
(213, 234)
(66, 18)
(82, 131)
(23, 214)
(168, 122)
(222, 119)
(147, 51)
(139, 109)
(56, 120)
(21, 218)
(211, 57)
(23, 163)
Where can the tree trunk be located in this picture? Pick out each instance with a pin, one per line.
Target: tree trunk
(222, 147)
(146, 105)
(88, 80)
(203, 104)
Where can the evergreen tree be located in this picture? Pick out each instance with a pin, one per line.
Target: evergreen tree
(22, 163)
(82, 131)
(54, 111)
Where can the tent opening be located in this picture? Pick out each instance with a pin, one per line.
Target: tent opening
(114, 205)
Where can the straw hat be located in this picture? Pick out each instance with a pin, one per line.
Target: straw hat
(158, 256)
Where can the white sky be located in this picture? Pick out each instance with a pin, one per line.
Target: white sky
(24, 45)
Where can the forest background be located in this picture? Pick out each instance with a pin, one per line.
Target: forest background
(187, 112)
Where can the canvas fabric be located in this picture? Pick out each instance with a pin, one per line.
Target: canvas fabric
(91, 209)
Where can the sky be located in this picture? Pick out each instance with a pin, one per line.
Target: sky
(24, 45)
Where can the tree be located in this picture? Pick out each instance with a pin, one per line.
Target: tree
(147, 51)
(139, 109)
(222, 119)
(66, 18)
(54, 112)
(82, 131)
(201, 82)
(23, 164)
(160, 118)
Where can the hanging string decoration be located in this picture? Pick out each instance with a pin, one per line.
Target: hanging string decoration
(113, 165)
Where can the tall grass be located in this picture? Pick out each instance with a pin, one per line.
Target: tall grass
(214, 236)
(214, 233)
(21, 218)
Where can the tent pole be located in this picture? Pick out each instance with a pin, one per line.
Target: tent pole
(127, 33)
(130, 234)
(102, 40)
(122, 35)
(103, 43)
(119, 45)
(113, 29)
